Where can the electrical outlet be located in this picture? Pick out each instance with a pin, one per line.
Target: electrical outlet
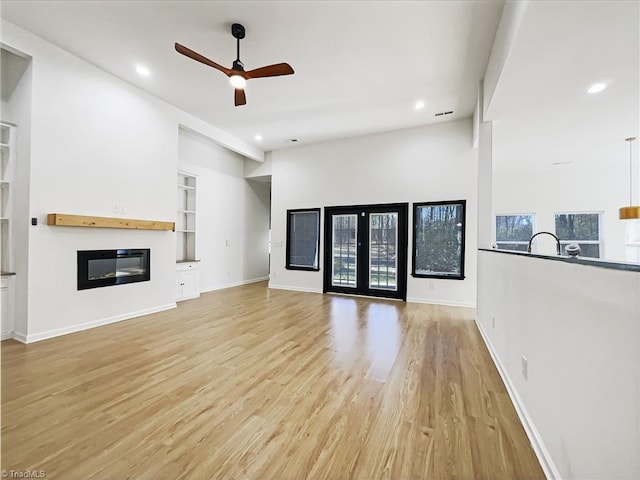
(431, 285)
(525, 368)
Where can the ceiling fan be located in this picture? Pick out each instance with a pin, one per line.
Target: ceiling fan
(237, 75)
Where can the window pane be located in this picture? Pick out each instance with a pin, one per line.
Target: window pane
(383, 235)
(519, 247)
(577, 226)
(344, 261)
(303, 232)
(439, 239)
(514, 228)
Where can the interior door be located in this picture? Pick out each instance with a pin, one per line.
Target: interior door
(366, 250)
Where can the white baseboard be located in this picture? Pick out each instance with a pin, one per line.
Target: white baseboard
(544, 457)
(234, 284)
(19, 336)
(446, 303)
(36, 337)
(6, 335)
(295, 289)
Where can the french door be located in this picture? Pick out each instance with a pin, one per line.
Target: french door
(366, 250)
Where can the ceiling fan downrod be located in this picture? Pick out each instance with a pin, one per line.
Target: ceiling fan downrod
(238, 32)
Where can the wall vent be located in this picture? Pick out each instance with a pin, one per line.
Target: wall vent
(444, 113)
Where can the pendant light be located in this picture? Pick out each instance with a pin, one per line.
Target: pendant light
(632, 211)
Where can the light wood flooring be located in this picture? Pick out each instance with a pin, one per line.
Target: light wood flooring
(251, 383)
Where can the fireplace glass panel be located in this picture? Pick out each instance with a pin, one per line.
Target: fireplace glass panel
(116, 267)
(101, 268)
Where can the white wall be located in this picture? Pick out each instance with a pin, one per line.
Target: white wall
(579, 328)
(259, 170)
(232, 238)
(412, 165)
(95, 141)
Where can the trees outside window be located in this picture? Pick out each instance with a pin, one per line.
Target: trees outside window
(580, 228)
(514, 231)
(438, 239)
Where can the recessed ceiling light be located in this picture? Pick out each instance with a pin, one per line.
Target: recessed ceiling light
(258, 137)
(142, 70)
(596, 88)
(419, 105)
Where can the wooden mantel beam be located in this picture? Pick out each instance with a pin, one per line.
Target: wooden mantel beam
(66, 220)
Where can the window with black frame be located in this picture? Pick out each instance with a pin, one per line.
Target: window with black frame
(303, 239)
(438, 239)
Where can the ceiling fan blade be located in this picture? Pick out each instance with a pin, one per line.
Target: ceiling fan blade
(240, 97)
(270, 71)
(199, 58)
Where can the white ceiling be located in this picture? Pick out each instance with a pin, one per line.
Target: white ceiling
(360, 65)
(542, 113)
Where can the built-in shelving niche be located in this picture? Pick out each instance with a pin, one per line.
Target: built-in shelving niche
(186, 218)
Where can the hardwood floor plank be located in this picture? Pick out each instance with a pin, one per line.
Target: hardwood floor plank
(249, 383)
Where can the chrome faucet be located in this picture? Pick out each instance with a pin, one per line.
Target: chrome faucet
(558, 249)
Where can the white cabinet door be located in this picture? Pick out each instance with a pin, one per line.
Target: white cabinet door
(189, 284)
(5, 318)
(179, 288)
(187, 281)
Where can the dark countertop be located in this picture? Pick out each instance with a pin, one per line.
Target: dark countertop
(592, 262)
(7, 274)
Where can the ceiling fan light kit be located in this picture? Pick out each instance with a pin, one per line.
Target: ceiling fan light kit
(237, 75)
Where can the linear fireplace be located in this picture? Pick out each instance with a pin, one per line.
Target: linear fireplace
(102, 268)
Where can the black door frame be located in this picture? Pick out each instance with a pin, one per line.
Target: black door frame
(363, 249)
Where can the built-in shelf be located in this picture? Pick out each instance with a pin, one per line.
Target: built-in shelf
(7, 194)
(186, 217)
(187, 268)
(66, 220)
